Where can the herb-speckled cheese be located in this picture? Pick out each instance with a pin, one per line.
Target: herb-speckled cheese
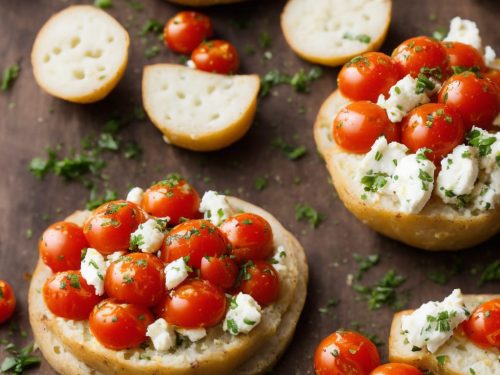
(93, 269)
(135, 195)
(175, 273)
(215, 207)
(162, 335)
(278, 259)
(148, 237)
(243, 315)
(382, 157)
(193, 334)
(464, 31)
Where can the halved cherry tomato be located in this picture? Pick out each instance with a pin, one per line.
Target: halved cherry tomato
(461, 55)
(216, 56)
(194, 304)
(221, 272)
(367, 76)
(359, 124)
(136, 278)
(7, 301)
(483, 326)
(261, 281)
(345, 352)
(172, 197)
(250, 235)
(61, 246)
(109, 227)
(186, 30)
(476, 99)
(194, 239)
(396, 369)
(421, 52)
(68, 295)
(118, 325)
(435, 126)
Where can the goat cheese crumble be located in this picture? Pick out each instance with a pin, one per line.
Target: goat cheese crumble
(243, 315)
(215, 207)
(93, 269)
(162, 335)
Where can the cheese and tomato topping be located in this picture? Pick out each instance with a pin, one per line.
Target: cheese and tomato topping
(93, 269)
(243, 315)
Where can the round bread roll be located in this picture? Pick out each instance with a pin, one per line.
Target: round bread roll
(70, 348)
(80, 54)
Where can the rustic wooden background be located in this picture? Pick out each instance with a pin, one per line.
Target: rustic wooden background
(31, 120)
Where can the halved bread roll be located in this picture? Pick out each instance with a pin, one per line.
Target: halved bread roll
(70, 348)
(204, 3)
(331, 32)
(197, 110)
(437, 227)
(80, 54)
(461, 354)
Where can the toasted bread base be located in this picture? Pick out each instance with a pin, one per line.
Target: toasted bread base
(437, 227)
(246, 354)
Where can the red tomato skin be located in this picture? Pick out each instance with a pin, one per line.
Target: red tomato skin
(186, 30)
(136, 278)
(195, 304)
(61, 246)
(262, 282)
(494, 76)
(68, 295)
(118, 325)
(109, 227)
(483, 326)
(250, 235)
(464, 55)
(420, 52)
(367, 76)
(196, 239)
(172, 197)
(396, 369)
(442, 135)
(358, 125)
(344, 353)
(216, 56)
(221, 272)
(7, 301)
(476, 99)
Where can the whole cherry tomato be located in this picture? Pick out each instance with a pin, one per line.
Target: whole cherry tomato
(186, 30)
(216, 56)
(61, 246)
(118, 325)
(261, 281)
(494, 76)
(464, 56)
(7, 301)
(221, 272)
(483, 326)
(396, 369)
(359, 124)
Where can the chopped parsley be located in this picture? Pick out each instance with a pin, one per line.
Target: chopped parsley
(232, 326)
(374, 181)
(152, 26)
(364, 264)
(19, 359)
(249, 322)
(292, 152)
(265, 40)
(136, 240)
(426, 178)
(103, 4)
(305, 212)
(74, 280)
(359, 59)
(481, 141)
(261, 183)
(423, 83)
(363, 38)
(440, 33)
(132, 150)
(10, 74)
(96, 201)
(383, 292)
(328, 306)
(441, 359)
(300, 81)
(151, 52)
(460, 69)
(491, 273)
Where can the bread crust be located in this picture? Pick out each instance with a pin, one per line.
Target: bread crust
(245, 355)
(434, 228)
(204, 3)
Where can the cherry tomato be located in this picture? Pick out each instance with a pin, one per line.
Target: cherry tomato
(250, 235)
(61, 246)
(118, 325)
(216, 56)
(494, 76)
(421, 52)
(7, 301)
(172, 197)
(359, 124)
(221, 272)
(194, 239)
(109, 227)
(483, 326)
(186, 30)
(344, 353)
(435, 126)
(476, 99)
(396, 369)
(261, 281)
(194, 304)
(463, 55)
(136, 278)
(68, 295)
(367, 76)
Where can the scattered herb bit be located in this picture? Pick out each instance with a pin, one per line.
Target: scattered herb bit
(292, 152)
(441, 359)
(20, 359)
(265, 40)
(151, 52)
(261, 183)
(300, 81)
(365, 264)
(96, 201)
(29, 233)
(383, 292)
(359, 59)
(440, 33)
(183, 59)
(482, 141)
(305, 212)
(132, 150)
(135, 5)
(490, 273)
(375, 181)
(103, 4)
(106, 141)
(152, 26)
(333, 302)
(460, 69)
(423, 83)
(432, 17)
(438, 277)
(363, 38)
(9, 76)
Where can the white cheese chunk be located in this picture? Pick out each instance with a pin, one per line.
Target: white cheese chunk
(279, 258)
(175, 273)
(193, 334)
(459, 171)
(215, 207)
(162, 335)
(484, 197)
(93, 268)
(489, 57)
(148, 236)
(432, 324)
(464, 31)
(413, 182)
(135, 195)
(113, 257)
(382, 157)
(243, 315)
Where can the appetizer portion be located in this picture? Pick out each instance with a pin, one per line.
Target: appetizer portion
(167, 282)
(80, 54)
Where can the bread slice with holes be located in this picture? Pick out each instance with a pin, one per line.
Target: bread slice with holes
(80, 54)
(457, 356)
(437, 227)
(331, 32)
(204, 3)
(197, 110)
(70, 348)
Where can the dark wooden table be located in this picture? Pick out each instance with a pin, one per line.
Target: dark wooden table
(31, 121)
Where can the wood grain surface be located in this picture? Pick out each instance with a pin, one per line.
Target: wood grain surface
(31, 121)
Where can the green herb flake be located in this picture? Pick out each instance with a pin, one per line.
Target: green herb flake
(152, 26)
(265, 40)
(364, 264)
(151, 52)
(74, 280)
(374, 181)
(103, 4)
(383, 292)
(10, 74)
(305, 212)
(490, 273)
(20, 359)
(363, 38)
(261, 183)
(232, 326)
(292, 152)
